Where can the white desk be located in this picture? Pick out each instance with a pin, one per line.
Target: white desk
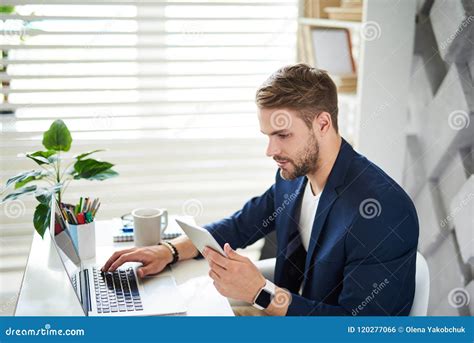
(46, 290)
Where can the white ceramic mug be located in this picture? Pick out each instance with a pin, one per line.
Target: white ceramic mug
(148, 225)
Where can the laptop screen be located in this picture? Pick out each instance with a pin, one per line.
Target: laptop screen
(68, 253)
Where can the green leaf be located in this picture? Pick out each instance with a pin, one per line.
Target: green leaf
(41, 218)
(20, 192)
(42, 157)
(81, 156)
(23, 182)
(90, 167)
(57, 137)
(109, 173)
(7, 9)
(53, 159)
(27, 180)
(22, 176)
(43, 195)
(38, 159)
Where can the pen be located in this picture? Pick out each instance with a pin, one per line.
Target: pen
(64, 213)
(81, 213)
(71, 216)
(96, 209)
(94, 203)
(86, 205)
(89, 218)
(80, 218)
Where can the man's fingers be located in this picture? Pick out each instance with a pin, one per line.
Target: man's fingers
(217, 269)
(232, 254)
(218, 286)
(129, 257)
(145, 270)
(114, 257)
(214, 275)
(215, 257)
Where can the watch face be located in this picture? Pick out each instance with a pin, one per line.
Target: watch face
(264, 299)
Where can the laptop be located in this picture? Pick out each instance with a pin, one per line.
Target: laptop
(121, 293)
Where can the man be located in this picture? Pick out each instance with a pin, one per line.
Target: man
(346, 232)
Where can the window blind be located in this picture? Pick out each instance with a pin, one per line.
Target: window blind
(167, 87)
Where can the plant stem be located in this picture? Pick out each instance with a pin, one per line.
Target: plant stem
(66, 168)
(66, 184)
(58, 177)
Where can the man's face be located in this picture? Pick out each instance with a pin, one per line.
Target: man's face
(291, 143)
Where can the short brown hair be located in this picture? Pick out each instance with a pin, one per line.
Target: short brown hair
(303, 88)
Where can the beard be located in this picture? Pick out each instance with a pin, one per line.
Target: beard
(306, 161)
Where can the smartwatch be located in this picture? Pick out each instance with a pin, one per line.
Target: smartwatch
(264, 296)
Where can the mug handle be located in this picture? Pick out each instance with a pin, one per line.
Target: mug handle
(164, 220)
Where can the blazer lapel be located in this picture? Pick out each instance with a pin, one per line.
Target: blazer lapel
(289, 240)
(325, 203)
(328, 197)
(290, 220)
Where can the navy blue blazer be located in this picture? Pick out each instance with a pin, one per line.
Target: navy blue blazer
(362, 253)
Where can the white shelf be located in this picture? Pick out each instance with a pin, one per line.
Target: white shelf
(330, 23)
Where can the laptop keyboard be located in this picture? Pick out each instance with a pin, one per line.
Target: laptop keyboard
(116, 291)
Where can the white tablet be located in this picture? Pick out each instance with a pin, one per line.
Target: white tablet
(200, 237)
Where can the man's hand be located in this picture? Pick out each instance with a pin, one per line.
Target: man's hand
(235, 276)
(154, 259)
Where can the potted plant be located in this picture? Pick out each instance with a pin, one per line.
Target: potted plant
(54, 175)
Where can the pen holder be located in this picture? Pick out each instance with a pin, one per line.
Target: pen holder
(83, 237)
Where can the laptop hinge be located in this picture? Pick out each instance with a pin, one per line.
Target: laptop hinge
(85, 291)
